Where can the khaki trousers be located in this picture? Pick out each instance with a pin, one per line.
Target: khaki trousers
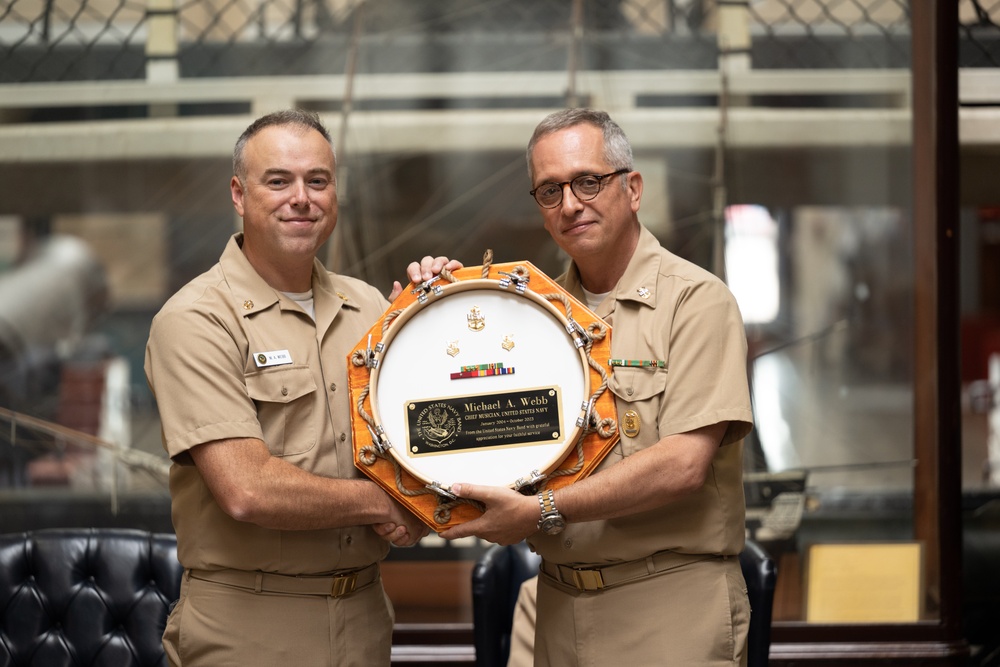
(522, 632)
(218, 625)
(696, 615)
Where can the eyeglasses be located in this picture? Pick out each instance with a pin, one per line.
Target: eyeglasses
(585, 188)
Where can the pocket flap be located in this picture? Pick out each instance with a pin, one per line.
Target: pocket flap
(280, 384)
(637, 384)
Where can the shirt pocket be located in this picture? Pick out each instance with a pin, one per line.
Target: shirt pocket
(639, 393)
(286, 408)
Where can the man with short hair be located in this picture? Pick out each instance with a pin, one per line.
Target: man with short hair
(640, 559)
(279, 534)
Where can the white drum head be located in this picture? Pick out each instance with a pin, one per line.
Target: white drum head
(479, 385)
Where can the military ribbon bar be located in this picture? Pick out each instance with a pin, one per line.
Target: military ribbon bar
(482, 370)
(638, 363)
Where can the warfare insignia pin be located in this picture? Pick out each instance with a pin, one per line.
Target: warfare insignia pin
(631, 423)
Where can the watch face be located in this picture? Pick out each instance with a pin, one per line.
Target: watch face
(552, 525)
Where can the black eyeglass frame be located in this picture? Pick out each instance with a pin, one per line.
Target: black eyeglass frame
(562, 187)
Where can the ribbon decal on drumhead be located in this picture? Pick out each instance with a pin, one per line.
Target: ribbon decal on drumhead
(482, 371)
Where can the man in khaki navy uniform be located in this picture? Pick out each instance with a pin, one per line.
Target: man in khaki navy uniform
(640, 560)
(279, 535)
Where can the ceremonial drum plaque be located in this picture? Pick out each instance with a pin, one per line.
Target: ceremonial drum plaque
(491, 375)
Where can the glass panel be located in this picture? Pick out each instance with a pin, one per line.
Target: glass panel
(831, 459)
(832, 454)
(773, 137)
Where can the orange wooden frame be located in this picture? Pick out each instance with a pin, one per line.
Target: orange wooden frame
(384, 470)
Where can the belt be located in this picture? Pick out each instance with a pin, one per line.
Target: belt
(334, 585)
(596, 578)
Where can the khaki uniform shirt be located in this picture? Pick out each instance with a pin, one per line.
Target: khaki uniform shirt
(666, 308)
(201, 363)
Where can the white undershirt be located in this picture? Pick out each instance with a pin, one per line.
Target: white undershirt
(593, 300)
(305, 301)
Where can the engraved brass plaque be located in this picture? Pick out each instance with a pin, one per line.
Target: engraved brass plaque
(481, 421)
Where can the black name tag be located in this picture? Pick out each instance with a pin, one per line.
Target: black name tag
(501, 419)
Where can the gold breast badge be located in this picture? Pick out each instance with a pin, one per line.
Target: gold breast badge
(631, 423)
(508, 342)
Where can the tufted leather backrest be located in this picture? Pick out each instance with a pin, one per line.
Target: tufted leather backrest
(496, 581)
(761, 576)
(85, 597)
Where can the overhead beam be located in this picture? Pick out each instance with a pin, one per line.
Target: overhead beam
(446, 131)
(603, 88)
(626, 93)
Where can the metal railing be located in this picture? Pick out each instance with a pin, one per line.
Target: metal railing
(811, 34)
(38, 437)
(55, 40)
(979, 33)
(64, 40)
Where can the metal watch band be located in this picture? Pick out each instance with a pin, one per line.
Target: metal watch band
(547, 502)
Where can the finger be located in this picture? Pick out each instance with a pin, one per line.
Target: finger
(427, 270)
(414, 271)
(441, 263)
(465, 529)
(454, 533)
(464, 490)
(384, 530)
(407, 539)
(418, 532)
(397, 289)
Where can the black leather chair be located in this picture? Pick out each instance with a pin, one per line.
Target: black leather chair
(496, 581)
(981, 583)
(86, 597)
(761, 575)
(497, 578)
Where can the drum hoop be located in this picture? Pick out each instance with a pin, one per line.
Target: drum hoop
(454, 288)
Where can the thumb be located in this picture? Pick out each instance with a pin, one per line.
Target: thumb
(463, 490)
(397, 289)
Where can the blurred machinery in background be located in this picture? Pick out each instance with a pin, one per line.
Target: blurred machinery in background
(48, 303)
(52, 367)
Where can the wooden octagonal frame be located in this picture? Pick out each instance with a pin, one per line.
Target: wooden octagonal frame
(596, 429)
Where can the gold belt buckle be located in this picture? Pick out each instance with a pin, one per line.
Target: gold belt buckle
(588, 580)
(344, 585)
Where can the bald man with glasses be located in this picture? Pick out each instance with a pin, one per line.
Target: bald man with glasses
(639, 560)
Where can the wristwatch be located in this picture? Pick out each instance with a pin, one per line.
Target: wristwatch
(551, 521)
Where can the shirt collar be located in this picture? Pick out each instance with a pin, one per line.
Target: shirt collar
(252, 294)
(638, 283)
